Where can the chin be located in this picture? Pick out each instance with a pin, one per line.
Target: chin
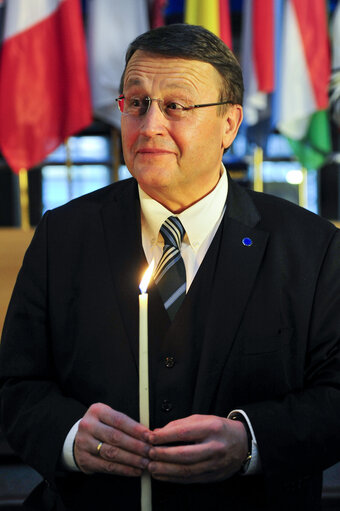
(154, 177)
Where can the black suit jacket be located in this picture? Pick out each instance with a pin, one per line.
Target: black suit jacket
(268, 323)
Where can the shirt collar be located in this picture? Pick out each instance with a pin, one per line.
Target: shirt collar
(198, 220)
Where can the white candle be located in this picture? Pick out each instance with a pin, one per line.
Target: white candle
(143, 361)
(144, 415)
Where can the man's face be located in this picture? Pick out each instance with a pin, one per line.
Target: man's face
(176, 162)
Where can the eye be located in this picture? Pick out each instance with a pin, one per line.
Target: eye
(172, 105)
(134, 102)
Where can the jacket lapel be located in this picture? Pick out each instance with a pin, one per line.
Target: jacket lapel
(122, 231)
(235, 275)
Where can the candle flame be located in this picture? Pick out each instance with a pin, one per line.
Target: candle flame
(143, 286)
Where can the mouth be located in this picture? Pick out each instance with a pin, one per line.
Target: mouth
(153, 151)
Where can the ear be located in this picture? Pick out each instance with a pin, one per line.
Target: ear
(233, 119)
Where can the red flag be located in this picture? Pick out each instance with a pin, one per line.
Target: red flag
(313, 23)
(258, 47)
(157, 13)
(44, 86)
(263, 37)
(225, 23)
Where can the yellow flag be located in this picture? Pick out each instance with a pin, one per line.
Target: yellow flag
(204, 13)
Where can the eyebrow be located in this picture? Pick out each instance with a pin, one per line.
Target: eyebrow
(133, 81)
(175, 85)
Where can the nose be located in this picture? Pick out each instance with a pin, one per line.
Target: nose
(153, 121)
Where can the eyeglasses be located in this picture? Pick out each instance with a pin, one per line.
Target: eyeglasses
(137, 106)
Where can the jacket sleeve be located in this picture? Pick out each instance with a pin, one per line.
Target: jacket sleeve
(35, 414)
(301, 431)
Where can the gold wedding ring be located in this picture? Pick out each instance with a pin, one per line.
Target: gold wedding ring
(99, 446)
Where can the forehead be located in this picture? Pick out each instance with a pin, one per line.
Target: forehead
(152, 70)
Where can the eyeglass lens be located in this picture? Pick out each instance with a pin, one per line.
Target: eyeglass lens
(142, 108)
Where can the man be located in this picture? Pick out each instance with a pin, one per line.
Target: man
(244, 367)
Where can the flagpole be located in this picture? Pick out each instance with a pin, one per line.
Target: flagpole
(115, 154)
(68, 167)
(303, 194)
(24, 199)
(258, 169)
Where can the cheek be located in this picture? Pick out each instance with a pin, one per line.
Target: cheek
(128, 137)
(187, 138)
(205, 145)
(204, 131)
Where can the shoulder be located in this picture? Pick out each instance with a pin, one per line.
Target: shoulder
(99, 198)
(87, 208)
(297, 236)
(292, 230)
(277, 213)
(82, 218)
(273, 213)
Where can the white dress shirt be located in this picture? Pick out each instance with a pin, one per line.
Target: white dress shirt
(200, 222)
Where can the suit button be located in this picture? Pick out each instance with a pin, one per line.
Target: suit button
(166, 406)
(169, 362)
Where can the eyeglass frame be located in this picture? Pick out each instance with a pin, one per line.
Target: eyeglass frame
(159, 100)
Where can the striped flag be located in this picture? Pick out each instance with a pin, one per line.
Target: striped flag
(211, 14)
(112, 25)
(258, 58)
(44, 87)
(304, 81)
(335, 81)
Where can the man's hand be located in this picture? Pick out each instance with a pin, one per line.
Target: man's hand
(124, 450)
(214, 449)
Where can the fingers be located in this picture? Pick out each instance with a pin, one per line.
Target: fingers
(90, 464)
(189, 464)
(181, 454)
(118, 420)
(112, 438)
(187, 474)
(195, 428)
(219, 447)
(123, 450)
(214, 447)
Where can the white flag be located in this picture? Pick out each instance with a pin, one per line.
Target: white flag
(112, 25)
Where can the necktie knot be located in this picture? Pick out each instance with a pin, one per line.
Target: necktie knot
(172, 231)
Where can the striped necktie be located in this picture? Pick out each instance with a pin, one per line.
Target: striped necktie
(170, 272)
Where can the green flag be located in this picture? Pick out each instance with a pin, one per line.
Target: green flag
(313, 149)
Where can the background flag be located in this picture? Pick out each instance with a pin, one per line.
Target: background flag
(257, 58)
(111, 27)
(304, 81)
(44, 88)
(157, 13)
(2, 10)
(335, 80)
(211, 14)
